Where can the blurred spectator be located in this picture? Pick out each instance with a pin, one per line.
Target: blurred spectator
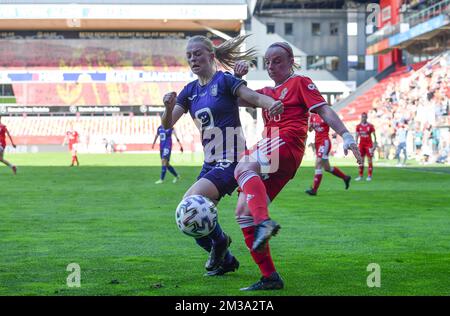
(401, 135)
(420, 103)
(444, 154)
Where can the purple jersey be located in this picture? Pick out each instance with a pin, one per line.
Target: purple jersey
(215, 111)
(165, 137)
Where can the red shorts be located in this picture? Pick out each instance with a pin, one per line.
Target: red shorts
(366, 150)
(278, 165)
(323, 148)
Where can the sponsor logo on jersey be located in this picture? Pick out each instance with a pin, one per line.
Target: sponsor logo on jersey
(283, 93)
(312, 86)
(213, 91)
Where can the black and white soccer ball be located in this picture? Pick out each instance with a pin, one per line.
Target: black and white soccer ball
(196, 216)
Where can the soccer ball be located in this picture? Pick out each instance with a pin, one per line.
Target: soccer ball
(196, 216)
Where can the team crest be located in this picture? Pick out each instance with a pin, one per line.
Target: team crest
(311, 86)
(213, 91)
(283, 93)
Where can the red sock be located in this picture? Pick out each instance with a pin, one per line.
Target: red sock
(370, 169)
(252, 185)
(338, 173)
(361, 171)
(317, 179)
(262, 259)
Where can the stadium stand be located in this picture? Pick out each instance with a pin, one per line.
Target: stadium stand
(122, 130)
(70, 55)
(416, 96)
(112, 93)
(364, 102)
(132, 133)
(87, 53)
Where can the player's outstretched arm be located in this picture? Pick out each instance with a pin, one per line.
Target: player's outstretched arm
(178, 140)
(333, 120)
(154, 141)
(260, 100)
(240, 70)
(172, 112)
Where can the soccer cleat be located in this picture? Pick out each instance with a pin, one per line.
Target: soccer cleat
(14, 169)
(263, 232)
(224, 268)
(347, 182)
(176, 179)
(369, 179)
(311, 191)
(273, 282)
(159, 181)
(217, 254)
(358, 179)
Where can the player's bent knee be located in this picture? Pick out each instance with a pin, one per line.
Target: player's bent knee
(240, 168)
(245, 167)
(242, 211)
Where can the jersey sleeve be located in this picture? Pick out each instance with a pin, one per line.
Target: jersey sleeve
(311, 95)
(182, 99)
(233, 83)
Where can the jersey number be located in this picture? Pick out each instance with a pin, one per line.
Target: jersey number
(205, 117)
(277, 118)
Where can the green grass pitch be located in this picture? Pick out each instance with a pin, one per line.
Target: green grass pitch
(109, 217)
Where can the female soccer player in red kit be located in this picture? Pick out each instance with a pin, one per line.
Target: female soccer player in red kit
(3, 132)
(364, 132)
(281, 151)
(323, 147)
(72, 137)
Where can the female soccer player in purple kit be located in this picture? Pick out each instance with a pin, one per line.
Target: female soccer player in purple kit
(165, 150)
(211, 100)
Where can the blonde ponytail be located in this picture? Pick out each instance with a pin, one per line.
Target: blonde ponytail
(229, 52)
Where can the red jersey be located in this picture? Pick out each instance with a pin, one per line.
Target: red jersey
(299, 96)
(364, 132)
(72, 138)
(321, 128)
(3, 131)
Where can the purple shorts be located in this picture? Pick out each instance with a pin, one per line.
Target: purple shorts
(165, 152)
(220, 173)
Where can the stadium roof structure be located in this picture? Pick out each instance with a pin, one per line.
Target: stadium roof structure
(174, 15)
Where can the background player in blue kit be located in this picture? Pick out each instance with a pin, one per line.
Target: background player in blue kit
(211, 100)
(165, 149)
